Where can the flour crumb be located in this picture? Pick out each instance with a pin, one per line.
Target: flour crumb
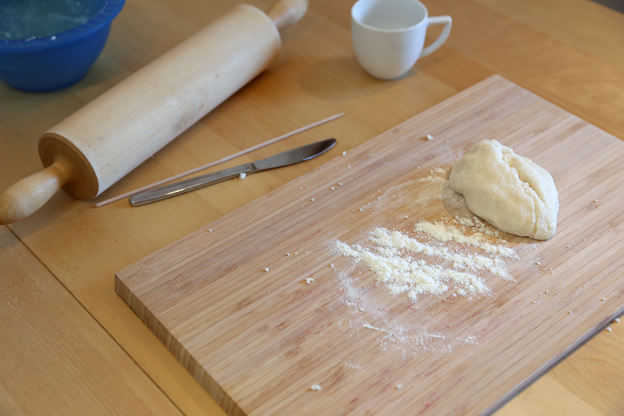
(608, 329)
(471, 340)
(315, 387)
(266, 269)
(242, 176)
(369, 326)
(467, 222)
(344, 153)
(617, 320)
(430, 137)
(399, 386)
(309, 280)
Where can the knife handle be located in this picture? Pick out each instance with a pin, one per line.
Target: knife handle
(188, 185)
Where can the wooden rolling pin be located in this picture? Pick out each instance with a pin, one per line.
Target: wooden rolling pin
(100, 143)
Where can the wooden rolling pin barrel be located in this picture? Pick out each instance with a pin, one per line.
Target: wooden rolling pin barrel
(106, 139)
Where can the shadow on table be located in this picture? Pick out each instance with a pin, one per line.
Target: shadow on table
(617, 5)
(343, 79)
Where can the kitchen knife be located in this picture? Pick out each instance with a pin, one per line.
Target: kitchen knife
(289, 157)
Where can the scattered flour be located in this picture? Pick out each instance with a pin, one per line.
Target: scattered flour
(431, 263)
(412, 276)
(390, 259)
(400, 336)
(479, 226)
(417, 277)
(446, 233)
(398, 240)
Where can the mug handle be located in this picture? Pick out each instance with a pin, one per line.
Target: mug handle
(438, 20)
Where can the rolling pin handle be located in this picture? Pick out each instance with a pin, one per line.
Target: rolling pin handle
(29, 194)
(285, 13)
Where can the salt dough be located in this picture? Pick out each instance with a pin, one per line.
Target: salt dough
(509, 191)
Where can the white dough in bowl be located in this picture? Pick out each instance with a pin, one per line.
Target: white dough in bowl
(509, 191)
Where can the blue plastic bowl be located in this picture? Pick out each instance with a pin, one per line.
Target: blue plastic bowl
(52, 62)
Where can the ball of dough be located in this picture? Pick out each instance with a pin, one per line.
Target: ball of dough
(509, 191)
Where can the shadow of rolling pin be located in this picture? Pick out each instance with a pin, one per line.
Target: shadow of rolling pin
(110, 136)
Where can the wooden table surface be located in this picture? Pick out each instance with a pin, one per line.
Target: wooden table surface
(71, 346)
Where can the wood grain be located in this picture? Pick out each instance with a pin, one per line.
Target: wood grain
(231, 303)
(56, 359)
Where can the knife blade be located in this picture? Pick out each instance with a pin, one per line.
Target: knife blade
(289, 157)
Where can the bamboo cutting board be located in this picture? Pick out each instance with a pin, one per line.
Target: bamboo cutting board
(259, 306)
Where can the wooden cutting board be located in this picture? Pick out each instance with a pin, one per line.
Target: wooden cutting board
(232, 303)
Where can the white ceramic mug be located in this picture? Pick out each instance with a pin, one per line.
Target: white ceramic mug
(389, 35)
